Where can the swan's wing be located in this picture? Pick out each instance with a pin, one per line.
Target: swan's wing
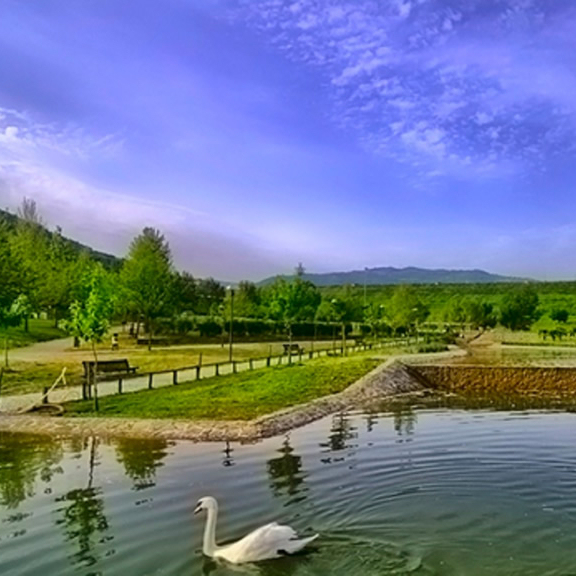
(269, 541)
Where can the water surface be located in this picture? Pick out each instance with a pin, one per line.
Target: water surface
(413, 491)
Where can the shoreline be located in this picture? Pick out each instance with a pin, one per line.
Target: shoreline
(391, 378)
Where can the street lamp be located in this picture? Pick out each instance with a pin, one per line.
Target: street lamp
(365, 274)
(231, 322)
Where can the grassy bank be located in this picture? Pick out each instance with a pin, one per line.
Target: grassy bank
(241, 396)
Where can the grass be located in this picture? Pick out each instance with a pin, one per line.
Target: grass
(241, 396)
(32, 375)
(38, 331)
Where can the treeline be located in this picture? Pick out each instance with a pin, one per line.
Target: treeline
(42, 272)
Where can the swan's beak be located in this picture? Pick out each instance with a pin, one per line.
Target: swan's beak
(198, 509)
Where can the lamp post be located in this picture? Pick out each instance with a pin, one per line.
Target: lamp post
(365, 274)
(230, 339)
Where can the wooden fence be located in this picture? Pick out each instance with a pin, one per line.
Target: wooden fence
(200, 371)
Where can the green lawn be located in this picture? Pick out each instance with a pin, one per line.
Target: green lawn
(38, 331)
(241, 396)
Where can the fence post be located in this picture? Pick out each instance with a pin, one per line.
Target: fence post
(198, 371)
(234, 367)
(120, 385)
(251, 362)
(268, 362)
(175, 377)
(150, 376)
(216, 369)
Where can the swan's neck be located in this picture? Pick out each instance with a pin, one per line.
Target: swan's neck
(209, 545)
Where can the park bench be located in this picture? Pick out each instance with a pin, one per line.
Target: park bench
(108, 367)
(293, 349)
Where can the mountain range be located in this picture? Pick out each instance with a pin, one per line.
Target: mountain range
(409, 275)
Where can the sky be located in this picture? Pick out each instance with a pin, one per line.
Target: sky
(256, 134)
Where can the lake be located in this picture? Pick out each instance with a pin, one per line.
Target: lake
(409, 491)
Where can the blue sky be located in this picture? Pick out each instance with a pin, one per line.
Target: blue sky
(256, 134)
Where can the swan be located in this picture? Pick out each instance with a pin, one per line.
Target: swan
(267, 542)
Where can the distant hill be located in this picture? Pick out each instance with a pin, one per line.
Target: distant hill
(108, 260)
(409, 275)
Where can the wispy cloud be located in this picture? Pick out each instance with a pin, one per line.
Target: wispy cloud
(465, 86)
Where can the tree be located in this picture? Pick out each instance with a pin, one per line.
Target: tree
(89, 317)
(480, 314)
(148, 278)
(560, 315)
(211, 296)
(247, 300)
(294, 301)
(186, 291)
(406, 308)
(519, 308)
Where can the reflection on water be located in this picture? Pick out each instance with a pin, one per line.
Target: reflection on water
(413, 488)
(286, 474)
(404, 419)
(228, 459)
(340, 439)
(141, 458)
(22, 462)
(82, 514)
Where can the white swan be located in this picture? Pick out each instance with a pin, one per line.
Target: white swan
(266, 542)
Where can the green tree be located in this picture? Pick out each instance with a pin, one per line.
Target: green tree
(406, 308)
(480, 314)
(211, 296)
(519, 308)
(148, 278)
(290, 302)
(90, 317)
(247, 300)
(559, 315)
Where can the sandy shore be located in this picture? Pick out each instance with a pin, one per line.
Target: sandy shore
(389, 379)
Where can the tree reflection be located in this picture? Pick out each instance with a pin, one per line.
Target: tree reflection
(22, 458)
(286, 474)
(141, 458)
(341, 433)
(404, 419)
(84, 516)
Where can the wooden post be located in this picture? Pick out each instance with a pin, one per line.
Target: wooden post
(120, 385)
(251, 362)
(150, 377)
(198, 368)
(216, 369)
(96, 403)
(268, 362)
(45, 395)
(175, 377)
(234, 368)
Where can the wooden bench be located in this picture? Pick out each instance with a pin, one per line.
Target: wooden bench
(293, 349)
(108, 367)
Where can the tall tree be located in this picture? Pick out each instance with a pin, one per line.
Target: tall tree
(519, 308)
(148, 278)
(294, 301)
(406, 308)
